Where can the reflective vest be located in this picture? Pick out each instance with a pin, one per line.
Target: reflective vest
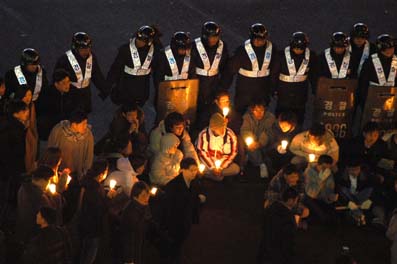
(332, 65)
(82, 81)
(22, 80)
(209, 70)
(294, 76)
(184, 74)
(381, 73)
(364, 56)
(255, 72)
(139, 69)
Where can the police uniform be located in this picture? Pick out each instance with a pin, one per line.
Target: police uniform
(131, 70)
(82, 72)
(256, 73)
(296, 72)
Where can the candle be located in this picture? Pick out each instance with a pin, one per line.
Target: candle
(68, 180)
(284, 144)
(225, 111)
(201, 167)
(53, 188)
(112, 184)
(249, 141)
(218, 164)
(312, 157)
(153, 191)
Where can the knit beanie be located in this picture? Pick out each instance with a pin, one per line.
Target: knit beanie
(217, 120)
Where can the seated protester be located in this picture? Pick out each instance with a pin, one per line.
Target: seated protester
(173, 123)
(52, 157)
(355, 190)
(279, 230)
(31, 197)
(217, 148)
(369, 147)
(257, 123)
(50, 245)
(320, 190)
(94, 215)
(288, 177)
(119, 148)
(55, 103)
(137, 227)
(285, 128)
(24, 94)
(318, 141)
(13, 143)
(124, 175)
(221, 102)
(166, 163)
(3, 98)
(75, 139)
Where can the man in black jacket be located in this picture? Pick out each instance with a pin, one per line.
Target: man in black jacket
(277, 245)
(137, 227)
(51, 243)
(55, 104)
(131, 70)
(181, 209)
(82, 65)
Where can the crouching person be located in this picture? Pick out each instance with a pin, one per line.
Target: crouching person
(320, 191)
(217, 148)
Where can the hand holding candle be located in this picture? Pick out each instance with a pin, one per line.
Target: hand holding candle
(68, 180)
(312, 157)
(249, 141)
(201, 167)
(284, 144)
(112, 184)
(218, 164)
(153, 191)
(52, 188)
(225, 111)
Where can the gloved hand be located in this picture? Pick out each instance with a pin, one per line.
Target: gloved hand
(352, 205)
(366, 204)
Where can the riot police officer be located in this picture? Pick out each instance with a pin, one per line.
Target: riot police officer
(254, 62)
(29, 73)
(359, 46)
(335, 61)
(297, 70)
(210, 55)
(131, 70)
(380, 68)
(82, 65)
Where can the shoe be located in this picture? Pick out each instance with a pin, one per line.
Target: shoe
(263, 171)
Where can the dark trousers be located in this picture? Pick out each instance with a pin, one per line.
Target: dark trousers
(320, 211)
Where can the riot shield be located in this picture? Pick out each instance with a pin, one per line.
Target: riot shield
(380, 107)
(334, 105)
(179, 96)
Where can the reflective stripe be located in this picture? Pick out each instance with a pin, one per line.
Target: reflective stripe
(332, 65)
(82, 82)
(293, 75)
(174, 67)
(22, 80)
(294, 78)
(364, 56)
(381, 74)
(255, 73)
(209, 70)
(138, 69)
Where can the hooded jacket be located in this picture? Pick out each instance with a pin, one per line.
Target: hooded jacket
(125, 176)
(166, 166)
(186, 145)
(77, 149)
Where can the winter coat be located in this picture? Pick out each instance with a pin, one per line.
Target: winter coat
(77, 149)
(125, 176)
(259, 130)
(166, 166)
(186, 145)
(317, 186)
(301, 146)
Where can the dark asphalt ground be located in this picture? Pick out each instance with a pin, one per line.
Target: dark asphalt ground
(230, 223)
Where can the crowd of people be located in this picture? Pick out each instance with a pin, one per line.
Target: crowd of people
(132, 195)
